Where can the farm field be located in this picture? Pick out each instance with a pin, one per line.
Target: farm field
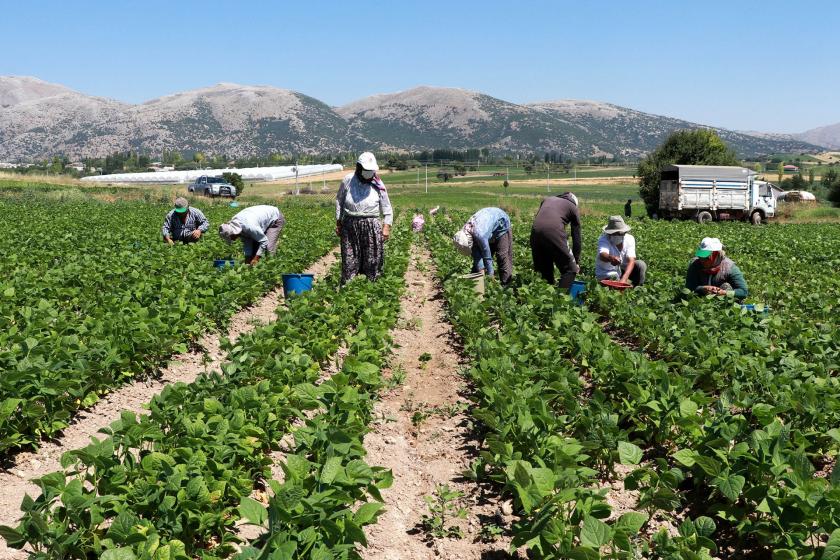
(643, 424)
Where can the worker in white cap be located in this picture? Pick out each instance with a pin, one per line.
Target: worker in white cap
(184, 223)
(711, 272)
(259, 228)
(360, 204)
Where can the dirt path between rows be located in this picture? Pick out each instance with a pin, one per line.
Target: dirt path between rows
(15, 481)
(422, 435)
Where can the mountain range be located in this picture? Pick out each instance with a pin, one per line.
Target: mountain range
(39, 119)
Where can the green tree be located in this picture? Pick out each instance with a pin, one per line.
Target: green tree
(684, 147)
(235, 179)
(781, 170)
(757, 167)
(831, 182)
(199, 158)
(811, 176)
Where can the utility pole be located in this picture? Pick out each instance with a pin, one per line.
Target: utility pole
(427, 178)
(548, 177)
(418, 177)
(297, 188)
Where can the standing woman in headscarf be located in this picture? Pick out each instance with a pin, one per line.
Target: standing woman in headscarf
(360, 202)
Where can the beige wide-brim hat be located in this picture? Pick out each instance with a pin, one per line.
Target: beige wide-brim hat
(616, 225)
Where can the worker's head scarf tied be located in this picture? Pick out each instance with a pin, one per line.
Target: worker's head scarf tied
(712, 263)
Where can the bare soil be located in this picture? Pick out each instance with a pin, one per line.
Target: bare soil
(15, 480)
(423, 435)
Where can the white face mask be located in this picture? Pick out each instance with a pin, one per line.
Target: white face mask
(368, 174)
(617, 238)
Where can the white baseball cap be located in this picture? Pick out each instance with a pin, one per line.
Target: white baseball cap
(368, 161)
(463, 242)
(708, 246)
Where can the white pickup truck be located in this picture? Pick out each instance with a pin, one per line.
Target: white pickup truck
(212, 186)
(708, 192)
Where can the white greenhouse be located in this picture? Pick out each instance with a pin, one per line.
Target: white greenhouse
(247, 173)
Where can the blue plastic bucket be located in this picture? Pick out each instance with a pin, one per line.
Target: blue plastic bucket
(296, 283)
(222, 263)
(576, 291)
(755, 308)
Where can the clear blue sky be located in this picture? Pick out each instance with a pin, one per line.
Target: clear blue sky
(757, 65)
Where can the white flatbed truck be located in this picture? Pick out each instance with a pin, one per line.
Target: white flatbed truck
(711, 192)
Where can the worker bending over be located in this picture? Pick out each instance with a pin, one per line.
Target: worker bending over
(259, 228)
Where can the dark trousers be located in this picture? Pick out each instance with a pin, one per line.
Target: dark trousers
(502, 249)
(548, 253)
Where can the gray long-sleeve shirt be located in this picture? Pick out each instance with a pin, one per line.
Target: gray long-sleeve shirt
(176, 230)
(255, 220)
(362, 200)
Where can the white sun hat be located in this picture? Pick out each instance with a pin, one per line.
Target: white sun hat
(463, 242)
(368, 162)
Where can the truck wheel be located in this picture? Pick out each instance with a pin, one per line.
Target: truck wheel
(704, 217)
(755, 218)
(208, 192)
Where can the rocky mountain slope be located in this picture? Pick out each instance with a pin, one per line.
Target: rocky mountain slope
(39, 119)
(828, 136)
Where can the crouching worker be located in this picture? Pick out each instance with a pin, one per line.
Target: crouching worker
(184, 223)
(259, 228)
(713, 273)
(485, 234)
(617, 255)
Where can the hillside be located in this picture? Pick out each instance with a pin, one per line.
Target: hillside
(39, 119)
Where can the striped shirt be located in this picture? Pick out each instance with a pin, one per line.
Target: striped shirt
(176, 230)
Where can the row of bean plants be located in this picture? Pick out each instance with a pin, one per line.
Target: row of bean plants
(90, 297)
(173, 484)
(762, 486)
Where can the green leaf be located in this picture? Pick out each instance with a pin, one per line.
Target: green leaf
(13, 538)
(730, 485)
(584, 553)
(630, 522)
(629, 454)
(710, 466)
(832, 547)
(330, 469)
(252, 511)
(122, 553)
(688, 408)
(296, 467)
(595, 533)
(705, 526)
(785, 554)
(685, 457)
(367, 513)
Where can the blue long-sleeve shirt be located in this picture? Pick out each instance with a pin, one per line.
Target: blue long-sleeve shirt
(486, 225)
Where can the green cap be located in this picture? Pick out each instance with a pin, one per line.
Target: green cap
(708, 246)
(181, 205)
